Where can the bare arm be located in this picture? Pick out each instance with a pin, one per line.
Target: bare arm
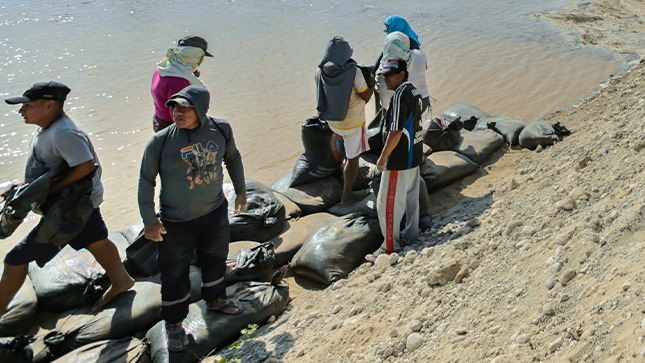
(392, 140)
(367, 94)
(72, 176)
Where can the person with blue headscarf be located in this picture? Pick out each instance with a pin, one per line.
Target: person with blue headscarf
(402, 42)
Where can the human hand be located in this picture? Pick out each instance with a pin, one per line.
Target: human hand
(197, 73)
(381, 164)
(240, 203)
(154, 231)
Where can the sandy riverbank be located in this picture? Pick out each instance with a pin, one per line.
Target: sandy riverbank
(549, 246)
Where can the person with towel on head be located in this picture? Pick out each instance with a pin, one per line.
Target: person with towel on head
(402, 42)
(175, 72)
(342, 92)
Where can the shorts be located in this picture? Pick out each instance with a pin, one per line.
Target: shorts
(355, 140)
(159, 124)
(28, 250)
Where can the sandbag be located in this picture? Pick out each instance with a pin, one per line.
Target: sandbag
(124, 350)
(544, 133)
(128, 313)
(509, 127)
(208, 331)
(291, 209)
(365, 206)
(443, 167)
(21, 311)
(262, 219)
(288, 243)
(70, 280)
(425, 217)
(464, 111)
(255, 264)
(314, 197)
(443, 133)
(17, 349)
(337, 248)
(479, 145)
(324, 152)
(141, 254)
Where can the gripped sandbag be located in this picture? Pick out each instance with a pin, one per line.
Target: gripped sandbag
(313, 197)
(337, 248)
(479, 145)
(141, 254)
(509, 127)
(128, 313)
(443, 167)
(288, 243)
(542, 133)
(124, 350)
(208, 331)
(464, 111)
(70, 280)
(262, 219)
(323, 153)
(20, 314)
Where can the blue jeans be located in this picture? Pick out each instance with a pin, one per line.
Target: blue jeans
(207, 236)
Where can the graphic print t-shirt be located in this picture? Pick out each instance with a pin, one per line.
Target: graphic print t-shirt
(405, 114)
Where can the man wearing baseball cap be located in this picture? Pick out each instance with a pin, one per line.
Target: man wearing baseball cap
(60, 145)
(178, 70)
(399, 161)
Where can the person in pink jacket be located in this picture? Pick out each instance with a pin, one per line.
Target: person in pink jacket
(178, 70)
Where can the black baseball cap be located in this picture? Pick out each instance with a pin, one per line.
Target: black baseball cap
(51, 90)
(393, 66)
(194, 41)
(176, 99)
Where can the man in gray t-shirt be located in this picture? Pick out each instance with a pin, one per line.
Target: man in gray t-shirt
(60, 146)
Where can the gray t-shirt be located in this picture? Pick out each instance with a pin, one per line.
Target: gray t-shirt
(63, 142)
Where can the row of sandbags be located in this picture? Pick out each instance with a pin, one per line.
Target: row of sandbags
(108, 335)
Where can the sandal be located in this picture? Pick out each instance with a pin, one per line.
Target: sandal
(228, 306)
(177, 338)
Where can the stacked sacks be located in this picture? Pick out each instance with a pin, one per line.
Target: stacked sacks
(128, 313)
(338, 247)
(263, 217)
(128, 349)
(208, 331)
(542, 133)
(323, 154)
(509, 127)
(288, 243)
(21, 310)
(70, 280)
(464, 111)
(313, 197)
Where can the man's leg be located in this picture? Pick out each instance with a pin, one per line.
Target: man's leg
(390, 208)
(12, 279)
(411, 230)
(349, 175)
(212, 251)
(107, 255)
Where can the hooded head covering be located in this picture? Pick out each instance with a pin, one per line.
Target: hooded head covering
(198, 96)
(335, 79)
(180, 62)
(397, 45)
(396, 23)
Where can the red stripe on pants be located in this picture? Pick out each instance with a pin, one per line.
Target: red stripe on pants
(389, 211)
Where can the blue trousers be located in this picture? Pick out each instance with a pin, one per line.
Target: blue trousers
(208, 237)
